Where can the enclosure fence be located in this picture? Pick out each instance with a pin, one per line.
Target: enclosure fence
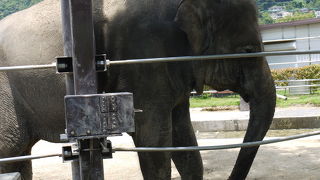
(175, 149)
(175, 59)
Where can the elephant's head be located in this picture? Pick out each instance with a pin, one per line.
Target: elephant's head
(230, 26)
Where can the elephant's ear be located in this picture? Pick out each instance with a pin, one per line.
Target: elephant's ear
(189, 19)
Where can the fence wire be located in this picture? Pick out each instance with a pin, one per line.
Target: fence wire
(219, 147)
(174, 59)
(175, 149)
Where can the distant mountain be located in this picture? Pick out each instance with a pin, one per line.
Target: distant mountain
(291, 10)
(290, 5)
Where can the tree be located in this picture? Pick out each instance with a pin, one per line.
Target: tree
(265, 18)
(296, 17)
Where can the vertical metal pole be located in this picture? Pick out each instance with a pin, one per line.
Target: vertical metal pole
(77, 17)
(84, 71)
(67, 39)
(83, 47)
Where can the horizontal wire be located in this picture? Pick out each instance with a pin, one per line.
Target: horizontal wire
(212, 57)
(174, 59)
(26, 158)
(290, 39)
(174, 149)
(28, 67)
(219, 147)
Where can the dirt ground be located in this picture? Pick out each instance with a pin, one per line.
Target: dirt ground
(292, 160)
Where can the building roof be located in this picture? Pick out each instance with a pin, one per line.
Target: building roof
(289, 24)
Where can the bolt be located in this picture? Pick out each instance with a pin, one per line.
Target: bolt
(63, 66)
(67, 153)
(72, 133)
(88, 132)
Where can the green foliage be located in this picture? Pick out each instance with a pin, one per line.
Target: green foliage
(306, 72)
(232, 101)
(296, 17)
(290, 6)
(293, 100)
(265, 18)
(10, 6)
(207, 101)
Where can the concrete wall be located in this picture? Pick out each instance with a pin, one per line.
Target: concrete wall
(292, 32)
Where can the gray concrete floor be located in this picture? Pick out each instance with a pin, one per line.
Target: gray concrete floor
(294, 160)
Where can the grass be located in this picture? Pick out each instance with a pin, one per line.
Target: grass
(234, 100)
(208, 101)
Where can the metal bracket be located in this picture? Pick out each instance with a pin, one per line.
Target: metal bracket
(64, 64)
(70, 153)
(106, 149)
(99, 115)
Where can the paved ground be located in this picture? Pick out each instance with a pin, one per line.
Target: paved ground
(294, 160)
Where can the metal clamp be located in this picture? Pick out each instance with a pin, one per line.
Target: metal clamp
(64, 64)
(69, 153)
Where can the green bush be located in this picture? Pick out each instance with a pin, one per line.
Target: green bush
(306, 72)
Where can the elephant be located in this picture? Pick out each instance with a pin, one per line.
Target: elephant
(32, 106)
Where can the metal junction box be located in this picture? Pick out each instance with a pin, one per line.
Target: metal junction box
(97, 115)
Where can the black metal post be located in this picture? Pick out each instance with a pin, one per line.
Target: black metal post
(79, 42)
(67, 39)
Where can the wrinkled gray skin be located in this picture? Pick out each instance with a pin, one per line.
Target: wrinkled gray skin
(32, 101)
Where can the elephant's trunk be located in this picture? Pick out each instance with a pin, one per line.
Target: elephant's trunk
(258, 88)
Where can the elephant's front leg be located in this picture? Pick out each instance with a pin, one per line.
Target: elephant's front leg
(189, 163)
(154, 129)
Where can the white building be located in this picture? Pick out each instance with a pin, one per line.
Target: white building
(276, 9)
(304, 10)
(292, 36)
(280, 14)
